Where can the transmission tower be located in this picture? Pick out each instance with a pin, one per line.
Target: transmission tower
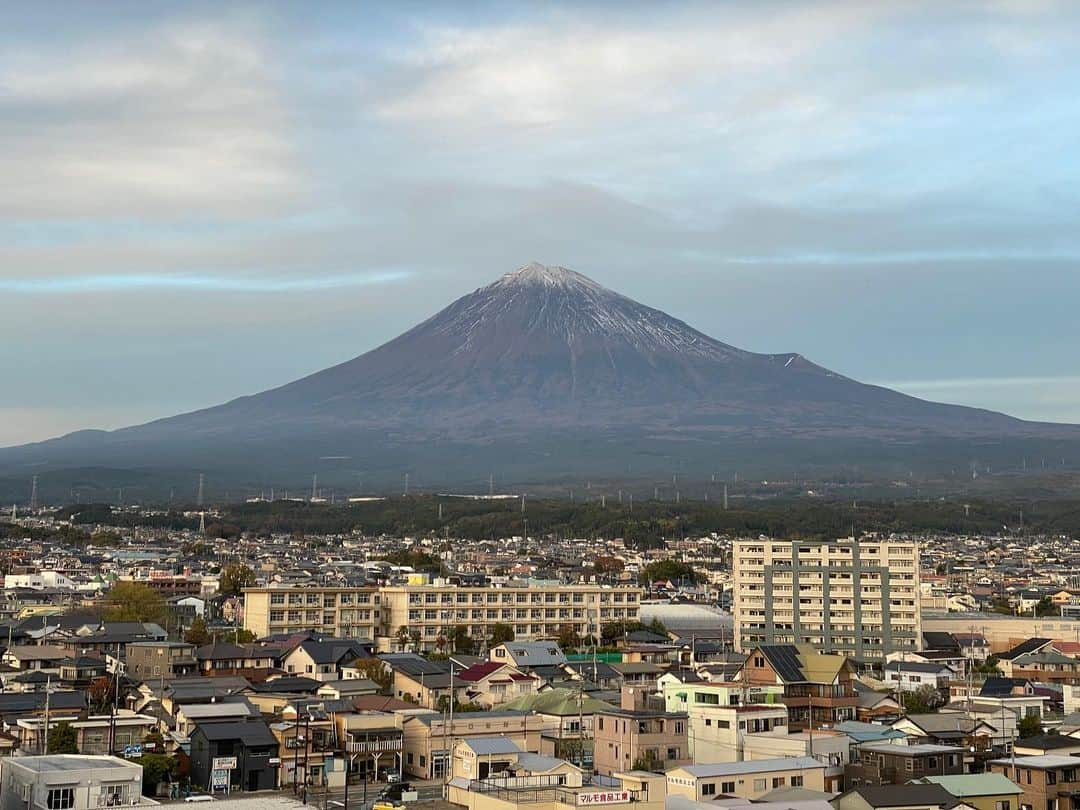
(33, 495)
(200, 499)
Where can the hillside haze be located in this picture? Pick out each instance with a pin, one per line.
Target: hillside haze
(540, 375)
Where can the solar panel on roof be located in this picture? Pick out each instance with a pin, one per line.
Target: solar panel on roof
(785, 660)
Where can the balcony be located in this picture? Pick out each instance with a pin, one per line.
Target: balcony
(373, 746)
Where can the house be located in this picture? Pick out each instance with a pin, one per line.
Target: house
(982, 791)
(373, 742)
(306, 736)
(826, 746)
(246, 752)
(79, 672)
(486, 758)
(69, 781)
(491, 683)
(626, 739)
(96, 734)
(1061, 744)
(62, 705)
(527, 655)
(640, 674)
(888, 764)
(874, 706)
(418, 680)
(1045, 666)
(42, 658)
(160, 659)
(818, 687)
(568, 716)
(323, 659)
(427, 735)
(896, 797)
(1047, 781)
(229, 710)
(252, 662)
(718, 733)
(910, 676)
(744, 780)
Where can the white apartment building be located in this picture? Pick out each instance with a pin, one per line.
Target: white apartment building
(860, 598)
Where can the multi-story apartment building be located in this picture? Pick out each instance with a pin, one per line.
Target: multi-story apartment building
(860, 598)
(434, 610)
(339, 612)
(625, 740)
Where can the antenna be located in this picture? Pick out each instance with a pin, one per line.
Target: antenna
(33, 495)
(406, 483)
(314, 486)
(523, 503)
(200, 498)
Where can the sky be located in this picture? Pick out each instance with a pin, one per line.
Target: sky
(203, 201)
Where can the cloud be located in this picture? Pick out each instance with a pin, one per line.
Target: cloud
(183, 119)
(210, 283)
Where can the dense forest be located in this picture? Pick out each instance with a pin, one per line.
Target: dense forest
(649, 523)
(645, 524)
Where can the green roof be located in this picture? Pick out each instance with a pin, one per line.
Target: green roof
(975, 784)
(559, 702)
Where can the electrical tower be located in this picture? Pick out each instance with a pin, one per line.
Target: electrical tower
(200, 498)
(33, 495)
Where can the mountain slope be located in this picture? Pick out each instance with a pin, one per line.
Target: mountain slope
(535, 360)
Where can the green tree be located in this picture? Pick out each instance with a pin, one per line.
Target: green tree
(1044, 607)
(63, 739)
(568, 638)
(197, 633)
(500, 632)
(924, 700)
(236, 577)
(673, 570)
(1029, 726)
(243, 636)
(374, 670)
(157, 768)
(132, 602)
(403, 636)
(461, 641)
(154, 742)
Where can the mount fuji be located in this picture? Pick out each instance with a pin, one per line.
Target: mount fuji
(541, 375)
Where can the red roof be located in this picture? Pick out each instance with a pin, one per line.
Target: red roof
(477, 672)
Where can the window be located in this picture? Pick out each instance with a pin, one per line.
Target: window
(760, 785)
(113, 796)
(60, 799)
(727, 787)
(778, 782)
(1003, 805)
(797, 781)
(708, 789)
(708, 722)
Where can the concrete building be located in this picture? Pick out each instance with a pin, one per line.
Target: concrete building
(435, 609)
(860, 598)
(626, 739)
(69, 782)
(719, 733)
(888, 764)
(1049, 781)
(745, 780)
(160, 659)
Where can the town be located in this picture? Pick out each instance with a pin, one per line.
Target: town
(144, 664)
